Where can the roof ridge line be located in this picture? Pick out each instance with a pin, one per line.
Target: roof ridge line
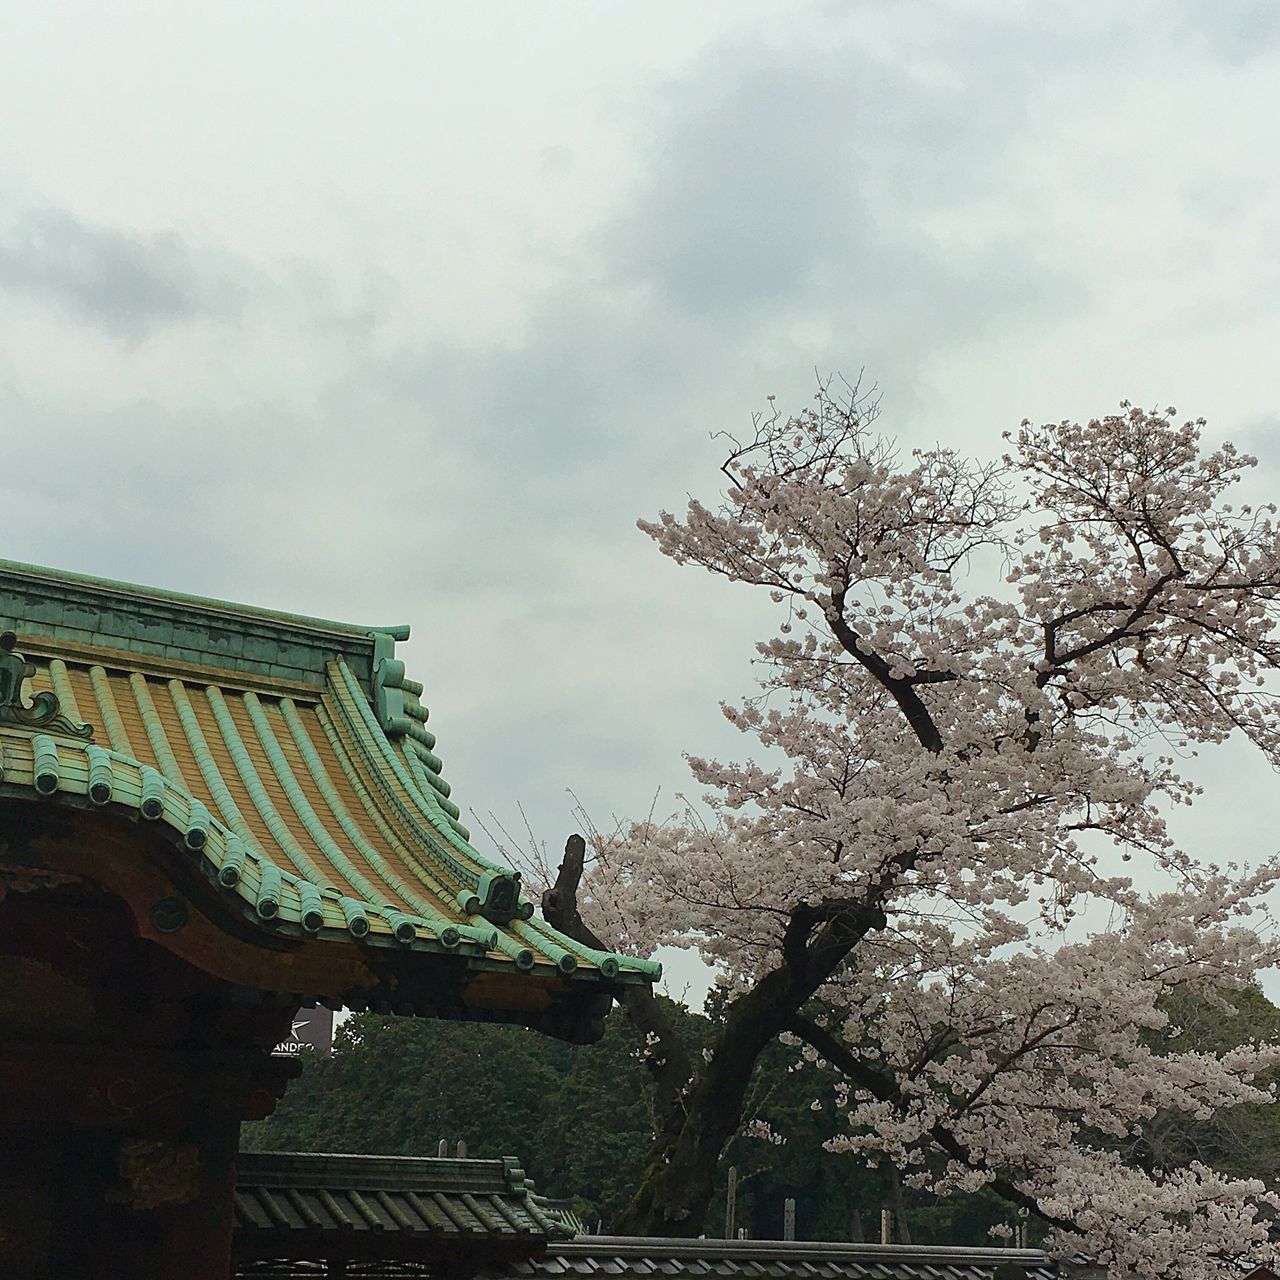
(133, 591)
(164, 668)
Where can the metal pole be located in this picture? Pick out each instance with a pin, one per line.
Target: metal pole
(731, 1204)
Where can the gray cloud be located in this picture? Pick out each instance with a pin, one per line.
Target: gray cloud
(1238, 33)
(773, 192)
(775, 179)
(789, 212)
(122, 282)
(405, 391)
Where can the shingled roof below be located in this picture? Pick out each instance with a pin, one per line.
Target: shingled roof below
(629, 1258)
(390, 1253)
(289, 758)
(383, 1209)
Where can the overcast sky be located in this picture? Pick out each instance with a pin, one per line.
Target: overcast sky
(405, 312)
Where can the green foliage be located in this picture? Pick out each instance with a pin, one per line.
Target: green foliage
(579, 1119)
(576, 1118)
(838, 1197)
(1243, 1141)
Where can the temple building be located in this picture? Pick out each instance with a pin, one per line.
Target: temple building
(211, 816)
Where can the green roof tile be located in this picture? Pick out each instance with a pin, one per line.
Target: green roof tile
(317, 808)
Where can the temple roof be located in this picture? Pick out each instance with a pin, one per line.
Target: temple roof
(288, 759)
(400, 1217)
(345, 1208)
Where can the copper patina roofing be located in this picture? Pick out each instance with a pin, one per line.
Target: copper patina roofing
(289, 759)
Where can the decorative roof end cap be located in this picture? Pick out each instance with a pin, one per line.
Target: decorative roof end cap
(45, 711)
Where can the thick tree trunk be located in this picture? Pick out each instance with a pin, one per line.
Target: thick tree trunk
(680, 1176)
(899, 1206)
(699, 1105)
(679, 1180)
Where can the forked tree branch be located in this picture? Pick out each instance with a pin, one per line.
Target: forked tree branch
(883, 1088)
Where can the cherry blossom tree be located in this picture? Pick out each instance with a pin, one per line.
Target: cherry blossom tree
(947, 871)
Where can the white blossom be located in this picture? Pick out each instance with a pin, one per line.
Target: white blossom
(981, 769)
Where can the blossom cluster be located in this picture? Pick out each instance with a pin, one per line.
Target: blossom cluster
(952, 787)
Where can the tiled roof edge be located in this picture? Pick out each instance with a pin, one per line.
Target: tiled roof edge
(88, 774)
(80, 609)
(495, 1192)
(677, 1247)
